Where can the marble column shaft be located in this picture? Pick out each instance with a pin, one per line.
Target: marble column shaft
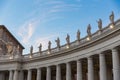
(39, 74)
(90, 69)
(102, 62)
(15, 77)
(29, 76)
(79, 70)
(58, 72)
(11, 75)
(48, 76)
(116, 64)
(68, 71)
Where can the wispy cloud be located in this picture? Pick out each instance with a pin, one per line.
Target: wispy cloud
(40, 16)
(26, 31)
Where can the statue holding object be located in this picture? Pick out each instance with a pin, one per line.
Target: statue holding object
(68, 39)
(89, 30)
(40, 48)
(111, 17)
(100, 25)
(58, 42)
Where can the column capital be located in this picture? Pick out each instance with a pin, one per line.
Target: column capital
(38, 68)
(29, 69)
(10, 70)
(114, 49)
(79, 60)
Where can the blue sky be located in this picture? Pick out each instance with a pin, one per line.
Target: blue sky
(38, 21)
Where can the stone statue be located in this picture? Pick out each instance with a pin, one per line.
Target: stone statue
(111, 17)
(68, 39)
(40, 48)
(58, 42)
(78, 35)
(9, 46)
(89, 30)
(14, 50)
(49, 46)
(31, 49)
(100, 24)
(18, 49)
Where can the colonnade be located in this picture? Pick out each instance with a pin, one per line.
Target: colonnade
(115, 58)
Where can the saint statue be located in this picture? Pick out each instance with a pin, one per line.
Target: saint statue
(89, 30)
(40, 48)
(78, 35)
(31, 49)
(111, 17)
(68, 39)
(100, 24)
(49, 46)
(58, 42)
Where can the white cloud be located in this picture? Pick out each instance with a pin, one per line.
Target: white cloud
(26, 31)
(28, 28)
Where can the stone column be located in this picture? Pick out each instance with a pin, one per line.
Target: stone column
(10, 75)
(29, 76)
(68, 71)
(48, 76)
(39, 74)
(79, 70)
(90, 69)
(102, 62)
(21, 76)
(15, 77)
(58, 72)
(116, 64)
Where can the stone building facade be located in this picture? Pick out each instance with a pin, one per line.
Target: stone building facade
(94, 58)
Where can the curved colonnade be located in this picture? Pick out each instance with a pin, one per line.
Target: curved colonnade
(94, 59)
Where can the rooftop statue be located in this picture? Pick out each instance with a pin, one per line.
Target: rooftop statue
(49, 46)
(89, 30)
(78, 35)
(31, 49)
(100, 24)
(111, 17)
(68, 39)
(58, 42)
(40, 48)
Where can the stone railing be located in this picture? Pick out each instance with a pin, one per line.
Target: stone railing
(73, 44)
(64, 48)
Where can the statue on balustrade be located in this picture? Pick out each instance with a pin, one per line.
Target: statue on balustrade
(100, 25)
(68, 39)
(31, 50)
(111, 17)
(78, 35)
(89, 30)
(49, 46)
(58, 42)
(40, 48)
